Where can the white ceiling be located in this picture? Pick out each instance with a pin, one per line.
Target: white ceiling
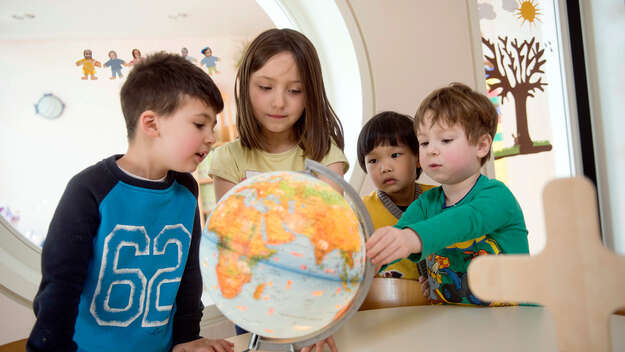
(125, 19)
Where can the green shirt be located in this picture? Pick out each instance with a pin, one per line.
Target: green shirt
(488, 220)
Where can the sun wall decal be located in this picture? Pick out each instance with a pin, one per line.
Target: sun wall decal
(528, 11)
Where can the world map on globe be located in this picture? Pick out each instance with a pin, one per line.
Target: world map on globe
(282, 255)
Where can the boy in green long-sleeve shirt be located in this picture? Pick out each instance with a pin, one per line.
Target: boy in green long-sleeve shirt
(469, 214)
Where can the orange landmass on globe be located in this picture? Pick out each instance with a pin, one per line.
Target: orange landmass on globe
(303, 208)
(232, 274)
(259, 290)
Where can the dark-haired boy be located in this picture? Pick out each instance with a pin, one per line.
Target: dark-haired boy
(469, 214)
(120, 267)
(388, 152)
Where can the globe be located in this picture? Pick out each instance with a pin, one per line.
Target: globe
(282, 255)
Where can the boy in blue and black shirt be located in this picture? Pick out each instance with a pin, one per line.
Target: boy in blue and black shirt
(120, 266)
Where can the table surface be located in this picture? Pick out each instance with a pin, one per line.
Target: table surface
(452, 328)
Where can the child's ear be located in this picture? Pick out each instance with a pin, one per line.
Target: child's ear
(483, 145)
(148, 123)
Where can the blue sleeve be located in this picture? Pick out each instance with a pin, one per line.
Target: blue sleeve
(65, 260)
(189, 298)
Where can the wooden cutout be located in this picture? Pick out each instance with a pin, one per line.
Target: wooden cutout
(15, 346)
(575, 277)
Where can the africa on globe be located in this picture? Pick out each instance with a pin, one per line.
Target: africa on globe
(282, 255)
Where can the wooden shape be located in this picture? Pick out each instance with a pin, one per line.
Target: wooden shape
(16, 346)
(575, 277)
(390, 292)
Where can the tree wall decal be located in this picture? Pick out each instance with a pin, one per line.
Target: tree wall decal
(516, 69)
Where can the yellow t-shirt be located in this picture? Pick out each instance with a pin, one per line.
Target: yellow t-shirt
(381, 216)
(235, 163)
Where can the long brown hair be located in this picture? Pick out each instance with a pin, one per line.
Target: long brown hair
(318, 126)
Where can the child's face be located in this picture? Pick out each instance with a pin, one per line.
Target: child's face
(446, 154)
(112, 55)
(208, 52)
(277, 95)
(186, 136)
(393, 169)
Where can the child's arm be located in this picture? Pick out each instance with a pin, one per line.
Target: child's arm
(339, 168)
(388, 244)
(224, 169)
(222, 186)
(318, 347)
(336, 161)
(205, 345)
(487, 212)
(65, 258)
(186, 321)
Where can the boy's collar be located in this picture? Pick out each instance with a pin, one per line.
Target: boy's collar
(464, 197)
(123, 176)
(391, 206)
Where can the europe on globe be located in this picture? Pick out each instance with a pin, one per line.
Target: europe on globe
(282, 254)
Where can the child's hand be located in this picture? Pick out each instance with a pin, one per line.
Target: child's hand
(318, 347)
(205, 345)
(388, 244)
(425, 286)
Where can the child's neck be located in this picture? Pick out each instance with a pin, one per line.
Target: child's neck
(139, 164)
(279, 143)
(455, 192)
(405, 197)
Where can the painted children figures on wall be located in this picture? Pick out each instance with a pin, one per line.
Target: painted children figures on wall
(115, 64)
(184, 52)
(209, 61)
(136, 57)
(88, 64)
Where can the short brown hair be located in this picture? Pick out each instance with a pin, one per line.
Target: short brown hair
(318, 125)
(159, 83)
(459, 104)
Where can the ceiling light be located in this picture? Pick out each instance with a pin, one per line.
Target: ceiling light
(179, 15)
(23, 16)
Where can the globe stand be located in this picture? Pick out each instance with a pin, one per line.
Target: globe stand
(256, 344)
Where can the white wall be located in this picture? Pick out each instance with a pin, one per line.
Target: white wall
(17, 319)
(413, 48)
(604, 47)
(44, 154)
